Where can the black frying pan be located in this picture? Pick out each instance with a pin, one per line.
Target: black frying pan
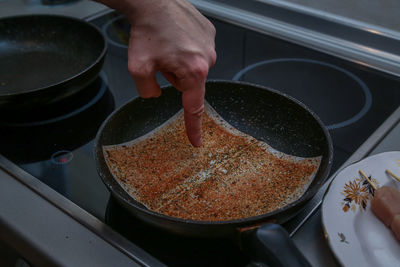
(283, 122)
(46, 58)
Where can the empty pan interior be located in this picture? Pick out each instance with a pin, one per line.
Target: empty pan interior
(281, 122)
(42, 50)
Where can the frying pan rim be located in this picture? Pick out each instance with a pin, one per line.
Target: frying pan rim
(308, 194)
(82, 71)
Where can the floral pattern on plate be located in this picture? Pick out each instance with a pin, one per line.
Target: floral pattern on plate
(357, 192)
(354, 234)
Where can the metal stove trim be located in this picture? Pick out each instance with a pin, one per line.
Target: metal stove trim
(333, 17)
(290, 25)
(378, 57)
(78, 214)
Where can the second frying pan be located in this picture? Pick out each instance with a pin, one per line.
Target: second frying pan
(46, 58)
(268, 115)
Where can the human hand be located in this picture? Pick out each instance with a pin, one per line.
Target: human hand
(172, 37)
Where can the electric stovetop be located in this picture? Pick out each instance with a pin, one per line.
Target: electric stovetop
(55, 144)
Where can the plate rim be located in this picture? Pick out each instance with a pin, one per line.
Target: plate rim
(327, 237)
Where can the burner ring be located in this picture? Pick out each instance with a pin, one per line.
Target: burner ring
(105, 28)
(364, 87)
(94, 100)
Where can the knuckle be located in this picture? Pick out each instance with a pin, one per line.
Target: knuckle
(198, 111)
(213, 55)
(199, 69)
(138, 70)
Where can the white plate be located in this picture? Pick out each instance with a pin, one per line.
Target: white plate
(355, 235)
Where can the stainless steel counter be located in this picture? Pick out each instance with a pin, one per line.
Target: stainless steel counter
(382, 14)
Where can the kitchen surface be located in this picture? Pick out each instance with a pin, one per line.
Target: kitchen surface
(369, 12)
(354, 88)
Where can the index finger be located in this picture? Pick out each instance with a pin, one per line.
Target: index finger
(193, 106)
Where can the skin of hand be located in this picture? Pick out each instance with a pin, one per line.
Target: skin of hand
(172, 37)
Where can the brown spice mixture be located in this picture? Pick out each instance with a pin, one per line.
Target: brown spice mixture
(231, 176)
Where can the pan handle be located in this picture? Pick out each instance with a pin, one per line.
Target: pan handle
(272, 245)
